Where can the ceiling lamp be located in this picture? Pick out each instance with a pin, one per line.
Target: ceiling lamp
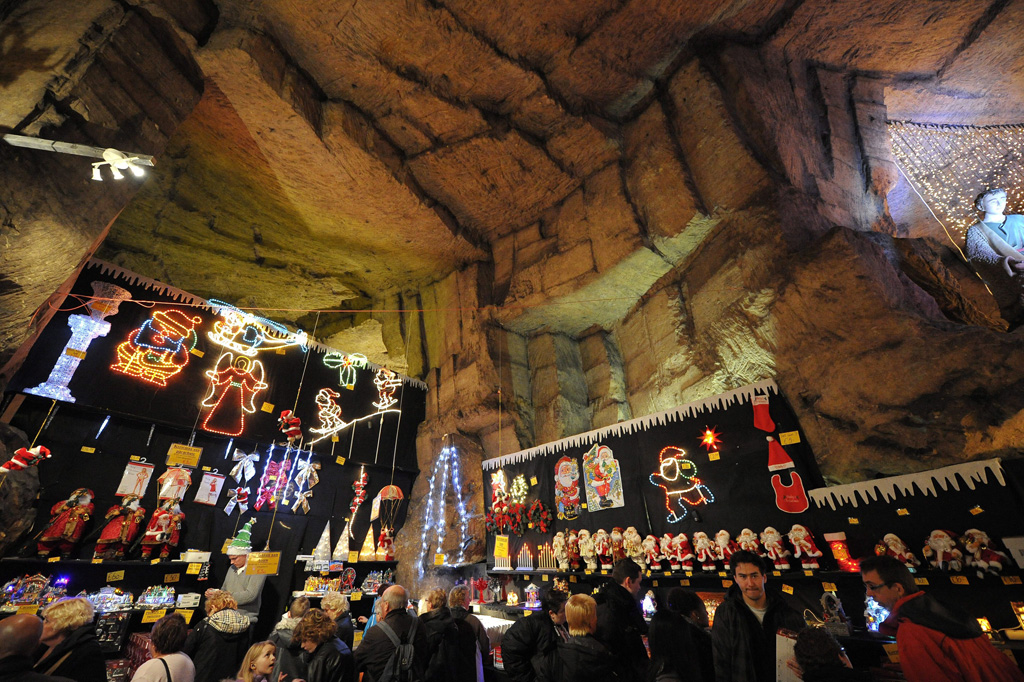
(117, 160)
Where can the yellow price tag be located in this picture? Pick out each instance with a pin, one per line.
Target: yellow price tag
(788, 589)
(655, 583)
(339, 460)
(584, 505)
(587, 571)
(789, 437)
(892, 652)
(280, 351)
(207, 469)
(88, 449)
(135, 458)
(439, 559)
(193, 569)
(28, 609)
(828, 587)
(604, 571)
(903, 511)
(714, 456)
(353, 557)
(196, 352)
(114, 576)
(75, 353)
(186, 614)
(920, 581)
(726, 584)
(723, 574)
(666, 573)
(975, 510)
(263, 563)
(335, 439)
(572, 578)
(172, 577)
(777, 573)
(808, 572)
(185, 455)
(357, 637)
(533, 480)
(1011, 580)
(224, 547)
(684, 583)
(268, 407)
(355, 596)
(97, 561)
(853, 521)
(153, 615)
(958, 579)
(53, 560)
(544, 577)
(501, 546)
(154, 562)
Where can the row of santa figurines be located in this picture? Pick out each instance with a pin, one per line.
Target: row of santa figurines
(121, 533)
(579, 550)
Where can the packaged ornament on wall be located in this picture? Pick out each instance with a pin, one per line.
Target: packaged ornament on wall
(135, 479)
(602, 478)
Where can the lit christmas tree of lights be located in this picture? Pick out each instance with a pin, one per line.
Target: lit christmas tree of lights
(434, 525)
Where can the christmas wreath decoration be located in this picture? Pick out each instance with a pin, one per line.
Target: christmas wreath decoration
(538, 517)
(506, 519)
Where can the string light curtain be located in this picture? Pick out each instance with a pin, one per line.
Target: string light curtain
(950, 165)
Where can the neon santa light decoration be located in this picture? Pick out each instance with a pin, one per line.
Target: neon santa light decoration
(677, 476)
(248, 334)
(159, 349)
(235, 381)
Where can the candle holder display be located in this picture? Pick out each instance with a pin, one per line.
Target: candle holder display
(545, 558)
(525, 560)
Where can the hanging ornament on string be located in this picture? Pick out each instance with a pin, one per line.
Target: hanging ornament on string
(291, 426)
(359, 487)
(245, 467)
(25, 458)
(237, 497)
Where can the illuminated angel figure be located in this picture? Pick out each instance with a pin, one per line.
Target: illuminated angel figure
(346, 364)
(234, 385)
(328, 411)
(677, 476)
(159, 349)
(248, 334)
(387, 382)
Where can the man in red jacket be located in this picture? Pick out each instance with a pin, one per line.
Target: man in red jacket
(936, 643)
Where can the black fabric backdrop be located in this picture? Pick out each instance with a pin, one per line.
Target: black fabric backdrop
(739, 480)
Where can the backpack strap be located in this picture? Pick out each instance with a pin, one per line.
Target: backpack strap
(391, 633)
(166, 670)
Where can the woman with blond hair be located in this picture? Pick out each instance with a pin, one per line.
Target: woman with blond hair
(335, 605)
(220, 640)
(71, 647)
(326, 658)
(582, 658)
(258, 663)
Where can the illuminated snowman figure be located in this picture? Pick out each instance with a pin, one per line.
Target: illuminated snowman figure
(677, 476)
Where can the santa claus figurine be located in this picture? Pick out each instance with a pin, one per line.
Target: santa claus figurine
(980, 553)
(163, 532)
(560, 551)
(386, 545)
(666, 551)
(804, 548)
(941, 551)
(603, 547)
(633, 544)
(725, 547)
(651, 554)
(683, 551)
(67, 524)
(572, 548)
(123, 524)
(618, 545)
(25, 458)
(747, 541)
(775, 548)
(290, 426)
(588, 550)
(705, 552)
(892, 545)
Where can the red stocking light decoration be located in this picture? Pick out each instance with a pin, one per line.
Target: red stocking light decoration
(762, 420)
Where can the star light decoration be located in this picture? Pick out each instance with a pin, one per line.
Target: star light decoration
(950, 165)
(709, 438)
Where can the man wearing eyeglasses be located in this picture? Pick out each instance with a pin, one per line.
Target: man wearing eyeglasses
(936, 643)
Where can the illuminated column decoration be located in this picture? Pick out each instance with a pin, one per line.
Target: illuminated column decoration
(434, 518)
(84, 328)
(159, 349)
(235, 382)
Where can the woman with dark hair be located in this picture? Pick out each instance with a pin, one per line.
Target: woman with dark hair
(69, 647)
(326, 658)
(679, 643)
(528, 642)
(168, 664)
(220, 641)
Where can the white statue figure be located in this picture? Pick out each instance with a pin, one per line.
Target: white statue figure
(804, 548)
(587, 550)
(603, 547)
(558, 548)
(652, 555)
(980, 553)
(994, 247)
(666, 551)
(747, 540)
(941, 551)
(725, 547)
(682, 550)
(893, 546)
(704, 548)
(775, 548)
(633, 545)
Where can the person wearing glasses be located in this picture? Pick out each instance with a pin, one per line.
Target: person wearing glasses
(935, 642)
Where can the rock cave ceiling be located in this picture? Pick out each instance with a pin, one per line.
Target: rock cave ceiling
(345, 149)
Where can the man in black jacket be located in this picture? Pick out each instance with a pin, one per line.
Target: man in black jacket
(376, 648)
(743, 636)
(19, 637)
(620, 623)
(525, 645)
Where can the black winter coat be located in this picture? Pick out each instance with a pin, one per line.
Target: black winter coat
(621, 627)
(529, 639)
(745, 649)
(679, 647)
(452, 646)
(581, 659)
(78, 656)
(344, 630)
(218, 644)
(331, 662)
(483, 641)
(19, 669)
(375, 650)
(289, 656)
